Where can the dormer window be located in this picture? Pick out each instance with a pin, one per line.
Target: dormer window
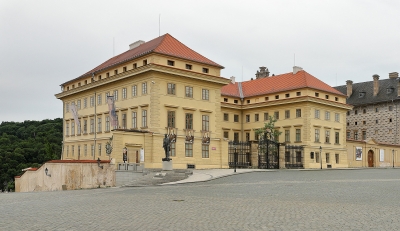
(389, 90)
(361, 94)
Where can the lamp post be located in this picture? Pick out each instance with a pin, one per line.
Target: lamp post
(235, 157)
(320, 155)
(393, 157)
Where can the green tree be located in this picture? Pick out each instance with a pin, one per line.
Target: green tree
(269, 129)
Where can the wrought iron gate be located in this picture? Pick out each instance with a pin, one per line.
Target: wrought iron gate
(294, 156)
(243, 150)
(268, 152)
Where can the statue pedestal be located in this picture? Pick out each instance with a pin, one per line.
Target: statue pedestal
(166, 165)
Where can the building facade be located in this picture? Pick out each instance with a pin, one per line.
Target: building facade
(163, 87)
(374, 114)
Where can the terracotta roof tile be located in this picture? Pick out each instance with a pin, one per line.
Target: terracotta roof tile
(279, 83)
(165, 44)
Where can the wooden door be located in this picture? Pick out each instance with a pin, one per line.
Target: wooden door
(370, 158)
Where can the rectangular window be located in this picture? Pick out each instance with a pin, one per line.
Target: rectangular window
(92, 149)
(298, 93)
(256, 136)
(78, 105)
(124, 69)
(67, 148)
(171, 119)
(317, 155)
(355, 135)
(173, 149)
(85, 126)
(327, 115)
(134, 65)
(116, 95)
(298, 113)
(327, 158)
(336, 137)
(99, 99)
(188, 67)
(170, 63)
(124, 121)
(337, 117)
(390, 108)
(85, 149)
(337, 158)
(327, 136)
(85, 103)
(67, 129)
(205, 151)
(106, 97)
(364, 135)
(107, 123)
(72, 128)
(287, 95)
(134, 119)
(316, 114)
(73, 150)
(144, 88)
(298, 135)
(287, 156)
(171, 88)
(91, 101)
(266, 116)
(107, 74)
(235, 118)
(145, 62)
(188, 150)
(144, 118)
(205, 94)
(316, 135)
(247, 136)
(134, 90)
(124, 93)
(115, 72)
(348, 135)
(256, 117)
(287, 135)
(99, 147)
(226, 135)
(247, 118)
(205, 70)
(226, 117)
(98, 124)
(298, 156)
(91, 125)
(189, 121)
(205, 123)
(236, 137)
(276, 115)
(67, 107)
(287, 114)
(117, 122)
(189, 92)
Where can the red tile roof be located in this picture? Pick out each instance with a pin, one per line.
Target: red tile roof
(278, 83)
(165, 44)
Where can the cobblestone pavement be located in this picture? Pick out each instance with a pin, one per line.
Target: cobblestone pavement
(366, 199)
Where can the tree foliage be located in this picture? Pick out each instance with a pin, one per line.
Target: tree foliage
(27, 144)
(269, 129)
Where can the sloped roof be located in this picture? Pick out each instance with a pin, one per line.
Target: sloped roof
(165, 44)
(368, 88)
(278, 83)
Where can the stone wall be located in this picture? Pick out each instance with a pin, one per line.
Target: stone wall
(67, 175)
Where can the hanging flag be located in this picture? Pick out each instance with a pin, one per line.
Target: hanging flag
(111, 109)
(74, 112)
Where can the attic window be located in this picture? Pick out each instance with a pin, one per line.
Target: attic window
(298, 93)
(389, 90)
(124, 69)
(248, 101)
(205, 70)
(225, 99)
(107, 75)
(361, 94)
(277, 97)
(116, 72)
(188, 67)
(336, 99)
(235, 101)
(326, 96)
(171, 63)
(134, 65)
(316, 94)
(266, 98)
(287, 95)
(145, 62)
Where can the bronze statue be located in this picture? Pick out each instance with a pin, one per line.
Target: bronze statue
(167, 147)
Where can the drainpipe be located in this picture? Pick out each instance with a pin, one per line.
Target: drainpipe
(95, 120)
(242, 101)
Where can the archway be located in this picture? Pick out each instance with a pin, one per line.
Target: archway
(370, 158)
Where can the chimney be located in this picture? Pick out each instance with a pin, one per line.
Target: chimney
(296, 69)
(233, 79)
(264, 72)
(349, 85)
(376, 84)
(393, 75)
(136, 44)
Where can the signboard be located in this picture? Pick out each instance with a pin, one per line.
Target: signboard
(381, 155)
(358, 153)
(213, 148)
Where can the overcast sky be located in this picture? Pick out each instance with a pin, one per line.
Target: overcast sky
(46, 43)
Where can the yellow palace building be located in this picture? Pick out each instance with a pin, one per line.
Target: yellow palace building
(164, 87)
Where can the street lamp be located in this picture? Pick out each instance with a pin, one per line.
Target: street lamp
(393, 156)
(235, 157)
(320, 155)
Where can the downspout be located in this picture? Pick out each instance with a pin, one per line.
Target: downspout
(241, 111)
(63, 119)
(95, 120)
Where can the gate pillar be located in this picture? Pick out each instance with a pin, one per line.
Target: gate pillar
(254, 154)
(282, 156)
